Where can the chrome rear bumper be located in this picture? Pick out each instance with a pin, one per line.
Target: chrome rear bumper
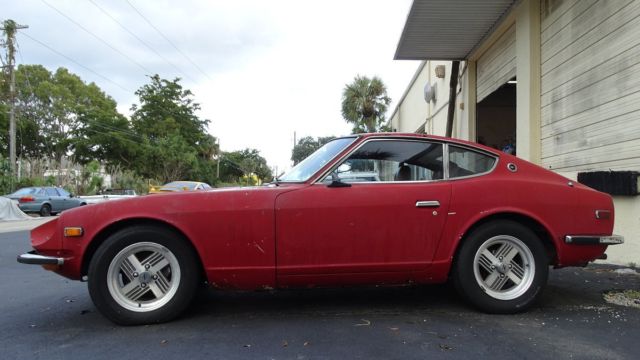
(594, 240)
(33, 258)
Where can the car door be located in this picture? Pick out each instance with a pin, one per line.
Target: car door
(354, 223)
(67, 202)
(57, 201)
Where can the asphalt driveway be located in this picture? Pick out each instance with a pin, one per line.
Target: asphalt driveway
(46, 316)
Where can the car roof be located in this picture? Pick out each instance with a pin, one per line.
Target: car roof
(399, 135)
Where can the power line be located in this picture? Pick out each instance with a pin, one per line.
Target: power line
(169, 41)
(77, 63)
(149, 72)
(125, 28)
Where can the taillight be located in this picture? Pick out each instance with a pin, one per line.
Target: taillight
(27, 199)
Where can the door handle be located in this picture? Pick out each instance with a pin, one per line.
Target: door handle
(428, 204)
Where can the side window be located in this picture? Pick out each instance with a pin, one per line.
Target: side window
(464, 162)
(392, 160)
(52, 192)
(63, 192)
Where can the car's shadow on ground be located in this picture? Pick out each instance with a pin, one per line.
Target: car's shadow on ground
(329, 301)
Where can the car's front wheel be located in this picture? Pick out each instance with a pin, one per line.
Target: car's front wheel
(502, 267)
(143, 274)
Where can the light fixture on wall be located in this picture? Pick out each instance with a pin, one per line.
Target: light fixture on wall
(430, 92)
(440, 71)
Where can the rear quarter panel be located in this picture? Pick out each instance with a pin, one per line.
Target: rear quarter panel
(536, 193)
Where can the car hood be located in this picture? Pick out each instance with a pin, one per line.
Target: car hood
(183, 202)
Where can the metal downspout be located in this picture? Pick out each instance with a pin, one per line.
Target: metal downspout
(453, 85)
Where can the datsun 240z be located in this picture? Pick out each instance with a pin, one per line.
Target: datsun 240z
(435, 209)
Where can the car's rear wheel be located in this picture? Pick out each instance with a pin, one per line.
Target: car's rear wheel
(143, 274)
(45, 210)
(502, 267)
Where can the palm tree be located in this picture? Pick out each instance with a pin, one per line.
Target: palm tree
(364, 104)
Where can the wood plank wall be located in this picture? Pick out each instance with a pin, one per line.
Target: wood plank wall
(590, 86)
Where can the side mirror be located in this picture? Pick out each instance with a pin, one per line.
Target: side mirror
(336, 182)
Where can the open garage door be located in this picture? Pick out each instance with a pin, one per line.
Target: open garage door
(496, 94)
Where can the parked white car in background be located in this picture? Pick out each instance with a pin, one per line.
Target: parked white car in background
(109, 194)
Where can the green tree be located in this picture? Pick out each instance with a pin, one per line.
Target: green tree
(237, 164)
(364, 104)
(174, 140)
(60, 116)
(306, 146)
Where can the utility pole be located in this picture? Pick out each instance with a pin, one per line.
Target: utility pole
(219, 159)
(10, 28)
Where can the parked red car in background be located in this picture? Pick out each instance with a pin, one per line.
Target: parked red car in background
(366, 209)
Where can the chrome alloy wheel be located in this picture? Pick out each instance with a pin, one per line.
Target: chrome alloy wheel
(143, 277)
(504, 267)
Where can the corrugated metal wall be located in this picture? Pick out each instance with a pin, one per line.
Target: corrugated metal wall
(590, 86)
(497, 65)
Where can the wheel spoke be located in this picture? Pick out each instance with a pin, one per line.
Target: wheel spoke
(491, 257)
(162, 282)
(135, 263)
(498, 282)
(517, 270)
(503, 250)
(157, 292)
(510, 254)
(134, 291)
(491, 278)
(153, 259)
(127, 269)
(516, 280)
(159, 266)
(130, 286)
(485, 262)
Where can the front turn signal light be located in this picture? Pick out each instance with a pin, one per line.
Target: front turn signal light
(73, 231)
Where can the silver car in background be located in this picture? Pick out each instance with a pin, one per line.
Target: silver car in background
(45, 200)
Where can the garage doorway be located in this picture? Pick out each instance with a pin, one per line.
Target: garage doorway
(496, 119)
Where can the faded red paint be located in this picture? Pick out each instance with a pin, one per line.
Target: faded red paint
(309, 234)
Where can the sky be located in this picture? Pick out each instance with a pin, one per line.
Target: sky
(262, 71)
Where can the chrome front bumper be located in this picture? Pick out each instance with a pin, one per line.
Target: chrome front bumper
(33, 258)
(594, 240)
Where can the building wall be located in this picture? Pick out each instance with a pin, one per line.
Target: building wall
(590, 98)
(413, 112)
(590, 86)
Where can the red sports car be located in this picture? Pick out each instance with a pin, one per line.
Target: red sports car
(366, 209)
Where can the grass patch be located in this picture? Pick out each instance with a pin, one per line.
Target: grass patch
(623, 297)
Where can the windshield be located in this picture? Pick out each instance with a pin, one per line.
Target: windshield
(309, 166)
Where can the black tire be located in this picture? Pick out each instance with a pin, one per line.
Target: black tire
(45, 210)
(484, 275)
(112, 271)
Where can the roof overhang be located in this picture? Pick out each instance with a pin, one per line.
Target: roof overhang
(448, 29)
